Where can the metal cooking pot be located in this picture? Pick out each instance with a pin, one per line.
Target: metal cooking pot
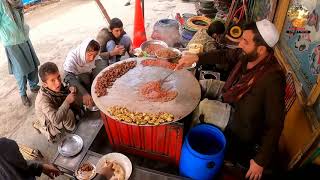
(147, 43)
(171, 59)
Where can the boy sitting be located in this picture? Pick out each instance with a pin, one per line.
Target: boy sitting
(114, 42)
(80, 68)
(52, 105)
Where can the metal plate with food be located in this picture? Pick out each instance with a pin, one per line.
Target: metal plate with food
(150, 47)
(70, 145)
(168, 53)
(86, 171)
(182, 89)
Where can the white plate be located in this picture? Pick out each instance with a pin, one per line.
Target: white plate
(119, 158)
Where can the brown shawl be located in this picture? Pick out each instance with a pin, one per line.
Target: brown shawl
(242, 80)
(56, 98)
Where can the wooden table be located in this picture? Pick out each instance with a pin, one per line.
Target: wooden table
(87, 129)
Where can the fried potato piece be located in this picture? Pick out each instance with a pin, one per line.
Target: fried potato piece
(139, 118)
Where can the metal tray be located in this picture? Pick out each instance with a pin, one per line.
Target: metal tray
(70, 145)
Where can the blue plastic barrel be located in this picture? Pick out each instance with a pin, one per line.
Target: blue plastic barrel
(202, 152)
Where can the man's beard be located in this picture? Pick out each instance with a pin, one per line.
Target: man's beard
(250, 57)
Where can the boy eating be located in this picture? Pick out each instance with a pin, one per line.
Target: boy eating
(53, 102)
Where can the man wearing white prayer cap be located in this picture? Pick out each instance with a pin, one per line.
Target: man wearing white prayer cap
(254, 90)
(268, 32)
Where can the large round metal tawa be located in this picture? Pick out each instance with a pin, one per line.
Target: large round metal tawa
(125, 91)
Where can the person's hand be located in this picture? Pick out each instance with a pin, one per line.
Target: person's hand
(187, 60)
(73, 89)
(118, 50)
(131, 50)
(107, 171)
(87, 100)
(50, 170)
(255, 171)
(71, 97)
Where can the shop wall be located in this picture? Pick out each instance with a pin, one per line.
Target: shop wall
(299, 52)
(264, 9)
(297, 136)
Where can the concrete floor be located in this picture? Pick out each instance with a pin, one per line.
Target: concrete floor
(54, 30)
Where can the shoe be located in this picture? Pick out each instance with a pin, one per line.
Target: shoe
(36, 126)
(25, 101)
(36, 89)
(127, 4)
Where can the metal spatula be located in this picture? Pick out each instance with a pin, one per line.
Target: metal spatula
(162, 80)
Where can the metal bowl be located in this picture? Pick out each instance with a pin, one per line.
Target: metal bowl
(171, 59)
(147, 43)
(70, 145)
(92, 108)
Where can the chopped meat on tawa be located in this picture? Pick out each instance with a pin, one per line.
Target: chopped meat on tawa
(153, 92)
(110, 76)
(158, 63)
(139, 118)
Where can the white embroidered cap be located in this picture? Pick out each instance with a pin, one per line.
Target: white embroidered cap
(268, 32)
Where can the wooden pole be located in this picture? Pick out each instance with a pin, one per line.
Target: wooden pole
(142, 1)
(103, 10)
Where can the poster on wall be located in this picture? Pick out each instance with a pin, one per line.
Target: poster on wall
(300, 41)
(264, 9)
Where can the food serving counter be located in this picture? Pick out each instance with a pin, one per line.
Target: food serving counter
(161, 140)
(88, 129)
